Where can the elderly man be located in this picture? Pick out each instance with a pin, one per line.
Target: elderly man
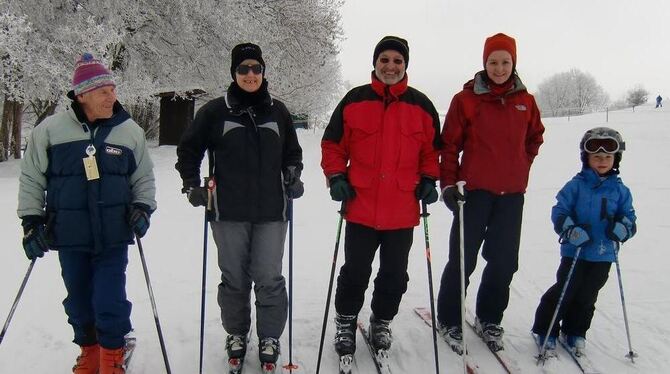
(380, 156)
(86, 188)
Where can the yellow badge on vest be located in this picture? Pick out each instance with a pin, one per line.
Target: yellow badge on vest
(90, 164)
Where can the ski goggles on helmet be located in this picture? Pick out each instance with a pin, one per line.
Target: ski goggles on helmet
(244, 69)
(606, 145)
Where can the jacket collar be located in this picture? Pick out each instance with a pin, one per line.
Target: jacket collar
(119, 115)
(480, 86)
(595, 180)
(383, 90)
(233, 102)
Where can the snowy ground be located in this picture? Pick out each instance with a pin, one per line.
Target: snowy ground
(38, 339)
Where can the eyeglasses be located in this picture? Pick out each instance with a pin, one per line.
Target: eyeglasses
(607, 145)
(244, 69)
(386, 60)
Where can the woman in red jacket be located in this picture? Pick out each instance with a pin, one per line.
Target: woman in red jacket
(494, 125)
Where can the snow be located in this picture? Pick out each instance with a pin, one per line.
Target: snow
(39, 338)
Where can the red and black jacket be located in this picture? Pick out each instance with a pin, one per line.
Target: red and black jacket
(384, 139)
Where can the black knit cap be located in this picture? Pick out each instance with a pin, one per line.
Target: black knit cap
(242, 52)
(392, 42)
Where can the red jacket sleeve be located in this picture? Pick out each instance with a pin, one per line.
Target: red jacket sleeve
(452, 142)
(535, 130)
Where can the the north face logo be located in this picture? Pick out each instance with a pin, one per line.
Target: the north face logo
(113, 151)
(520, 107)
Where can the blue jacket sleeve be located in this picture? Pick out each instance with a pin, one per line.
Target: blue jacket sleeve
(565, 205)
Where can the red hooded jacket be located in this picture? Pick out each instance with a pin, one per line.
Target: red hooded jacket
(384, 139)
(498, 136)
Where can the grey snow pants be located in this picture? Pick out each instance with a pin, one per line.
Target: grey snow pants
(251, 252)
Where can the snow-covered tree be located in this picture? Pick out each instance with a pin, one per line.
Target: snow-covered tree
(571, 92)
(637, 95)
(173, 46)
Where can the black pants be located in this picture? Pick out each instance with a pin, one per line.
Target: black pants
(360, 244)
(576, 312)
(494, 220)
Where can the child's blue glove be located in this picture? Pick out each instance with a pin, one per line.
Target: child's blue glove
(620, 230)
(574, 234)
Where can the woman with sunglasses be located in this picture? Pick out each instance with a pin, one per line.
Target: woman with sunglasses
(593, 214)
(491, 134)
(255, 163)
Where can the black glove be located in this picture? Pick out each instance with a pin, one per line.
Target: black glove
(197, 196)
(426, 190)
(294, 186)
(340, 189)
(138, 218)
(34, 237)
(620, 230)
(451, 197)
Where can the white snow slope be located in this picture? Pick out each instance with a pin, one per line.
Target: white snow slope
(39, 338)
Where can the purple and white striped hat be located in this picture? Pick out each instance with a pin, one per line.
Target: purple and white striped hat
(90, 74)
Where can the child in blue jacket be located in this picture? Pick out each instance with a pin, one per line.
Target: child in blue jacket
(593, 214)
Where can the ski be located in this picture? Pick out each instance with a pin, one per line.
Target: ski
(426, 317)
(235, 365)
(130, 344)
(508, 362)
(346, 362)
(381, 357)
(581, 360)
(268, 368)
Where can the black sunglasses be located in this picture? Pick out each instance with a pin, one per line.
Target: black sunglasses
(244, 69)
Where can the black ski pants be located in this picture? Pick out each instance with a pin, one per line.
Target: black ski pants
(576, 312)
(360, 245)
(494, 220)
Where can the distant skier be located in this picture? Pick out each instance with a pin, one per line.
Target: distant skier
(594, 212)
(659, 101)
(380, 156)
(86, 186)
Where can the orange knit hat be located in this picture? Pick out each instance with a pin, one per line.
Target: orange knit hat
(500, 42)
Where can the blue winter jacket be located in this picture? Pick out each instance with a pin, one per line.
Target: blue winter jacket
(593, 201)
(81, 214)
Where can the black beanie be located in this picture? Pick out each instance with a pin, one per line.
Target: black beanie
(392, 42)
(242, 52)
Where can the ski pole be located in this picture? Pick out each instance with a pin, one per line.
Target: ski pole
(16, 300)
(461, 254)
(153, 305)
(631, 354)
(290, 366)
(543, 348)
(330, 286)
(425, 215)
(209, 182)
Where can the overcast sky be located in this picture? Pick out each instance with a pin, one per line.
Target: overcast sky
(621, 43)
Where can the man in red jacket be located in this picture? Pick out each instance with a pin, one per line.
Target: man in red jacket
(380, 155)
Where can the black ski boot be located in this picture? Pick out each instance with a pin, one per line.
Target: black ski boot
(236, 347)
(491, 333)
(268, 354)
(345, 335)
(380, 333)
